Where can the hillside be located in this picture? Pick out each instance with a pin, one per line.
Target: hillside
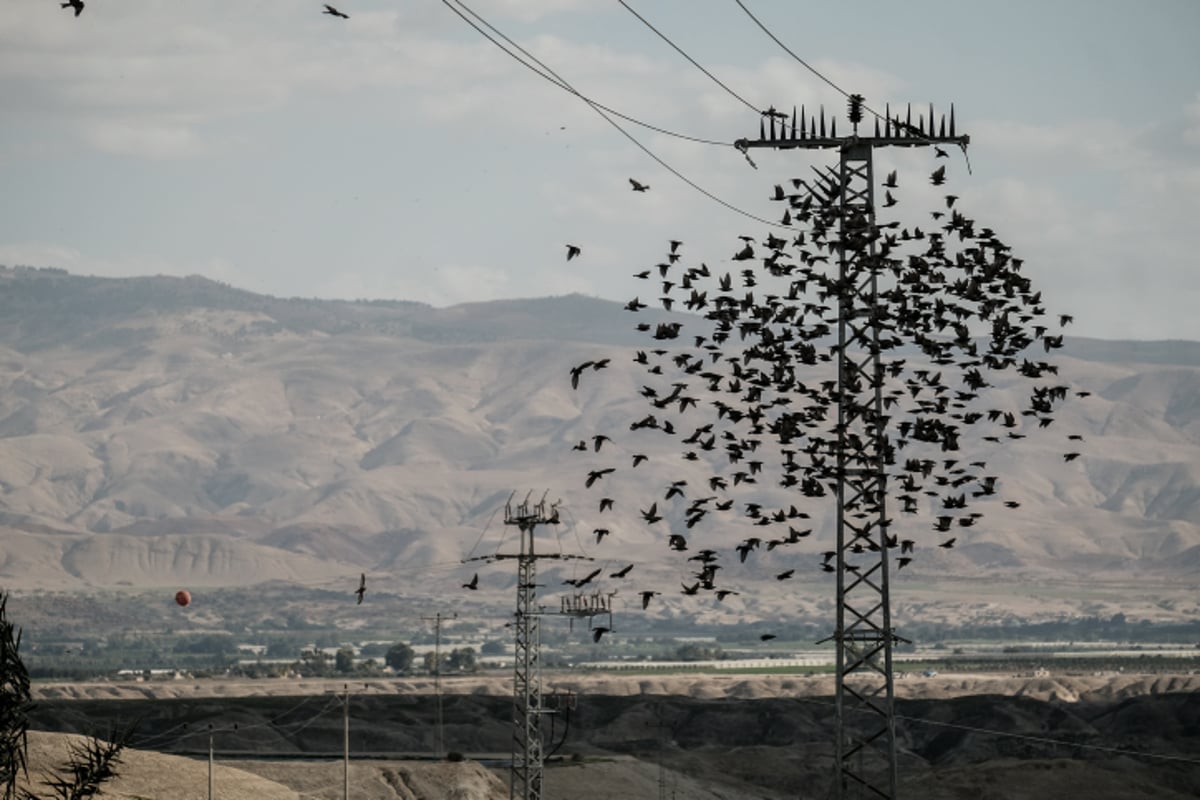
(157, 432)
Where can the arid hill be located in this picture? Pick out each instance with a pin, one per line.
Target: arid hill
(159, 431)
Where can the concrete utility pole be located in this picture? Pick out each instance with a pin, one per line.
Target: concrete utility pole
(865, 749)
(437, 675)
(345, 739)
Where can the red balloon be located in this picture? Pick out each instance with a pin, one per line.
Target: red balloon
(183, 597)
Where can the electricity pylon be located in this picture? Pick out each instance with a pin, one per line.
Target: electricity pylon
(527, 753)
(865, 747)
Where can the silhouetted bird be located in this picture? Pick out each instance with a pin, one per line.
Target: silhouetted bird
(638, 187)
(472, 584)
(766, 637)
(597, 632)
(596, 475)
(572, 251)
(621, 573)
(333, 12)
(600, 534)
(1070, 456)
(362, 587)
(75, 4)
(646, 595)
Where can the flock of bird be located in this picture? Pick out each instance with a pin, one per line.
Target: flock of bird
(951, 311)
(761, 401)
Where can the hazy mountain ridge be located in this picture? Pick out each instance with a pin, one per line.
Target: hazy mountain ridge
(157, 430)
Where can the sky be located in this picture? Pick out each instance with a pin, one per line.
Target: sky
(398, 154)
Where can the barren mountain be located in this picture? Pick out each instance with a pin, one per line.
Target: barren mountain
(160, 431)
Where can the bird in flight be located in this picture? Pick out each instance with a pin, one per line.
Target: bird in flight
(646, 595)
(362, 587)
(472, 584)
(75, 4)
(638, 187)
(572, 251)
(599, 631)
(330, 10)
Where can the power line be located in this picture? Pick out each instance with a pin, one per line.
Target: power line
(909, 129)
(693, 61)
(788, 50)
(553, 78)
(596, 107)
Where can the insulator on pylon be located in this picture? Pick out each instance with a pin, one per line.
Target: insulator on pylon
(762, 130)
(856, 108)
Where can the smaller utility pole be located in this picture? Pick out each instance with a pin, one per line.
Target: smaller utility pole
(345, 739)
(210, 763)
(437, 675)
(346, 743)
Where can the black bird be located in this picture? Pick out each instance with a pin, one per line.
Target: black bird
(783, 576)
(330, 10)
(646, 595)
(621, 573)
(949, 542)
(600, 534)
(723, 593)
(651, 514)
(606, 502)
(598, 440)
(1070, 456)
(572, 251)
(362, 587)
(638, 187)
(596, 475)
(766, 637)
(597, 632)
(577, 371)
(472, 584)
(75, 4)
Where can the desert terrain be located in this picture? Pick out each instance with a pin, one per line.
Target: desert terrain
(733, 737)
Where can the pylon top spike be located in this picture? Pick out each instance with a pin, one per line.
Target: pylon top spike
(793, 122)
(833, 127)
(887, 119)
(942, 130)
(762, 129)
(822, 121)
(931, 118)
(802, 131)
(952, 119)
(877, 127)
(908, 118)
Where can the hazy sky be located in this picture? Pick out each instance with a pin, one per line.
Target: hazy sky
(398, 154)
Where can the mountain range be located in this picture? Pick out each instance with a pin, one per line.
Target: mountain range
(159, 431)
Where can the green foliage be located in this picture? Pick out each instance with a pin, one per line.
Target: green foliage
(15, 704)
(90, 764)
(462, 659)
(344, 660)
(399, 657)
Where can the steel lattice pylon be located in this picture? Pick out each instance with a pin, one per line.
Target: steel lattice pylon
(865, 736)
(863, 633)
(527, 667)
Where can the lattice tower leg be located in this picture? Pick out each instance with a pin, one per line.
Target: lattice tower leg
(526, 782)
(865, 718)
